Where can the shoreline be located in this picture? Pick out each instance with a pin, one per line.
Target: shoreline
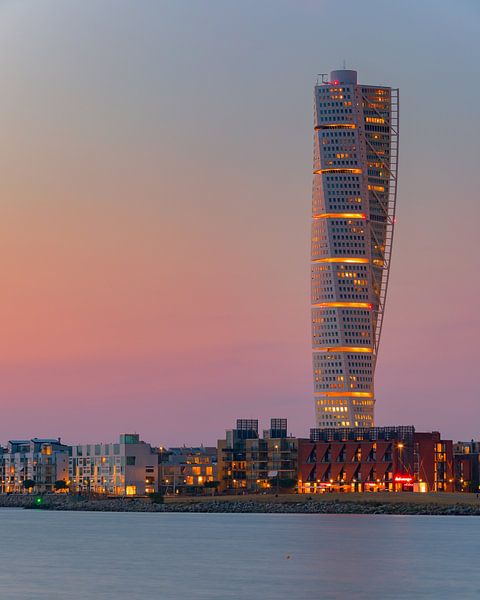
(285, 504)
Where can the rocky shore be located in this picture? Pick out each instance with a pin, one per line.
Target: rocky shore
(307, 506)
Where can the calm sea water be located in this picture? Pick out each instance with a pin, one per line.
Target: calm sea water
(118, 556)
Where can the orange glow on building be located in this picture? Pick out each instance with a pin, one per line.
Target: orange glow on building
(335, 126)
(348, 394)
(353, 261)
(340, 216)
(343, 305)
(337, 170)
(332, 349)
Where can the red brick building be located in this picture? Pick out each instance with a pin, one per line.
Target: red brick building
(374, 459)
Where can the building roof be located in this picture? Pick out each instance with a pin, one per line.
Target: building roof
(182, 450)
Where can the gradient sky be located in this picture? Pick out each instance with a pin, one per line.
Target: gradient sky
(155, 162)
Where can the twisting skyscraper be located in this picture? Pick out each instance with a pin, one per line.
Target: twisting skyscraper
(354, 192)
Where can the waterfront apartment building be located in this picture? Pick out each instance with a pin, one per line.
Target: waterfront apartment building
(43, 462)
(353, 214)
(375, 459)
(248, 462)
(126, 468)
(188, 470)
(467, 466)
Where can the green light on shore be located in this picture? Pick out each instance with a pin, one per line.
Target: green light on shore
(38, 501)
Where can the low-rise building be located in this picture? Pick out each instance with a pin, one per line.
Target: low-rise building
(466, 457)
(37, 463)
(126, 468)
(248, 462)
(375, 459)
(188, 470)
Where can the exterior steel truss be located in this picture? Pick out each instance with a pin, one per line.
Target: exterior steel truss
(388, 205)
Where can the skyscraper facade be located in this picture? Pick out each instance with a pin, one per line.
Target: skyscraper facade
(353, 214)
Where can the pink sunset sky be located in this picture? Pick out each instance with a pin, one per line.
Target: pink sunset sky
(155, 164)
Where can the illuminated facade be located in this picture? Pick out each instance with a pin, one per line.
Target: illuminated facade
(126, 468)
(374, 459)
(353, 212)
(187, 470)
(467, 466)
(250, 463)
(41, 461)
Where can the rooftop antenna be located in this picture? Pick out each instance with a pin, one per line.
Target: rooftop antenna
(344, 64)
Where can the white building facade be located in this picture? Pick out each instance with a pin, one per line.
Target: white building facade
(353, 214)
(42, 462)
(127, 468)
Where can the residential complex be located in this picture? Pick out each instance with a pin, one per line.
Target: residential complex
(42, 461)
(375, 459)
(126, 468)
(353, 214)
(188, 470)
(349, 459)
(467, 466)
(248, 462)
